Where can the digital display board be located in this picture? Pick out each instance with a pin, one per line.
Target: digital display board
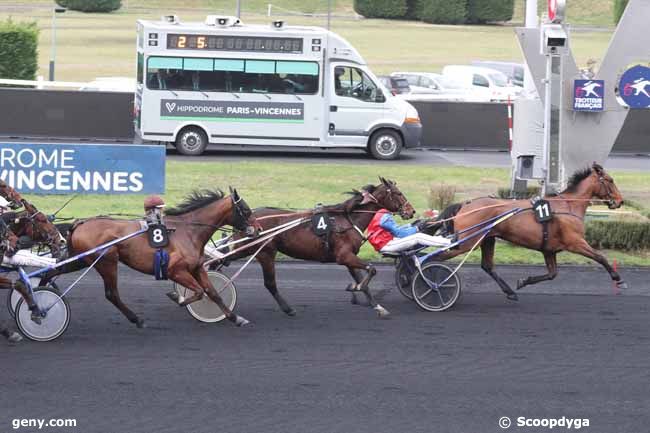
(234, 43)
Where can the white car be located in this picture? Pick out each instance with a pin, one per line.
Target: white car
(429, 85)
(489, 83)
(110, 84)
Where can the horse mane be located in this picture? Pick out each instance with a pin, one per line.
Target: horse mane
(195, 200)
(578, 177)
(355, 200)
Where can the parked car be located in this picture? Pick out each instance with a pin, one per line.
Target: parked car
(395, 85)
(489, 83)
(514, 71)
(429, 85)
(110, 84)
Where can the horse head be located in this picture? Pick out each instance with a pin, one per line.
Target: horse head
(388, 196)
(605, 188)
(242, 215)
(41, 229)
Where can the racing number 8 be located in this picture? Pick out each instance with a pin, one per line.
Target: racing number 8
(158, 236)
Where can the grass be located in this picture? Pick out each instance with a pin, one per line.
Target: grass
(95, 45)
(301, 185)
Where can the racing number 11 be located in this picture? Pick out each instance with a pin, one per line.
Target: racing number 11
(543, 210)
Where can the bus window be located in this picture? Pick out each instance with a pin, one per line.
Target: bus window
(230, 75)
(354, 83)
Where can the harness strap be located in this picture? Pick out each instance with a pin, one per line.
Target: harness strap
(544, 235)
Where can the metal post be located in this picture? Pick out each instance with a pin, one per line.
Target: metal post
(238, 10)
(532, 21)
(53, 51)
(329, 13)
(547, 123)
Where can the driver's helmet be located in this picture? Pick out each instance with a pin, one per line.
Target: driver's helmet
(153, 202)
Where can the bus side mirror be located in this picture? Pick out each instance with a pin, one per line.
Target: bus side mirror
(380, 98)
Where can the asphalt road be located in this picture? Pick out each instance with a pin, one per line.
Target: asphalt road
(569, 348)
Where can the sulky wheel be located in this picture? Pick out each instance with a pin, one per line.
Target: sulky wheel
(55, 319)
(435, 287)
(205, 310)
(404, 270)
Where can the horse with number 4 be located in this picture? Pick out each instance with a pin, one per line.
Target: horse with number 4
(102, 242)
(328, 234)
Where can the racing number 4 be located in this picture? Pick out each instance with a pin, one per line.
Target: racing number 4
(322, 225)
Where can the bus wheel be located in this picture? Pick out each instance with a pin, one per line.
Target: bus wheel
(191, 141)
(385, 144)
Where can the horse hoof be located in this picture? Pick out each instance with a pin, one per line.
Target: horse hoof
(240, 321)
(382, 312)
(15, 337)
(520, 284)
(174, 296)
(290, 312)
(36, 318)
(140, 324)
(352, 288)
(622, 285)
(512, 296)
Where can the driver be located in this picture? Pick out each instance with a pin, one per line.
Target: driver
(387, 237)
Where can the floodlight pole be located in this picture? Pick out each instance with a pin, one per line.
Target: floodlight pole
(532, 21)
(329, 13)
(238, 9)
(56, 10)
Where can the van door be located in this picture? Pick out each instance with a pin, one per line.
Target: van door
(356, 103)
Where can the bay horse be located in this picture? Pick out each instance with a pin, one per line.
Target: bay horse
(193, 223)
(351, 218)
(566, 230)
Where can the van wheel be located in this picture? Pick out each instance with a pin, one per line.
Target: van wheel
(191, 141)
(385, 144)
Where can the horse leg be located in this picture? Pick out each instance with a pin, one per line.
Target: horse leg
(551, 266)
(267, 261)
(21, 288)
(487, 264)
(352, 261)
(353, 287)
(584, 249)
(202, 280)
(107, 268)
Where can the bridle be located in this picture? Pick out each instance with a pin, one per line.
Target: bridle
(401, 209)
(241, 215)
(50, 237)
(609, 195)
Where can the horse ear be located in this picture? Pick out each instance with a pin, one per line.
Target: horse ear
(232, 191)
(384, 181)
(597, 168)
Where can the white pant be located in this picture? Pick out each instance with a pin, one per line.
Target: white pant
(27, 258)
(417, 239)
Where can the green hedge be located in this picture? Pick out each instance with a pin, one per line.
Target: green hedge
(442, 11)
(484, 11)
(619, 8)
(381, 8)
(18, 50)
(618, 235)
(91, 5)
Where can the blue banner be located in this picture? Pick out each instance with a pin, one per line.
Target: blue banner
(634, 87)
(83, 168)
(588, 95)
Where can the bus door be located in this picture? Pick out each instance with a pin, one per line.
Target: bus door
(356, 103)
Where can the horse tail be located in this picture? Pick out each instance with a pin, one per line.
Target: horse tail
(445, 219)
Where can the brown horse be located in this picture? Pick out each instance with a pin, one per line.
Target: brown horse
(565, 232)
(351, 218)
(193, 223)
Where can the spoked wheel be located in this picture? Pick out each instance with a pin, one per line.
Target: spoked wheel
(55, 321)
(14, 296)
(436, 287)
(205, 310)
